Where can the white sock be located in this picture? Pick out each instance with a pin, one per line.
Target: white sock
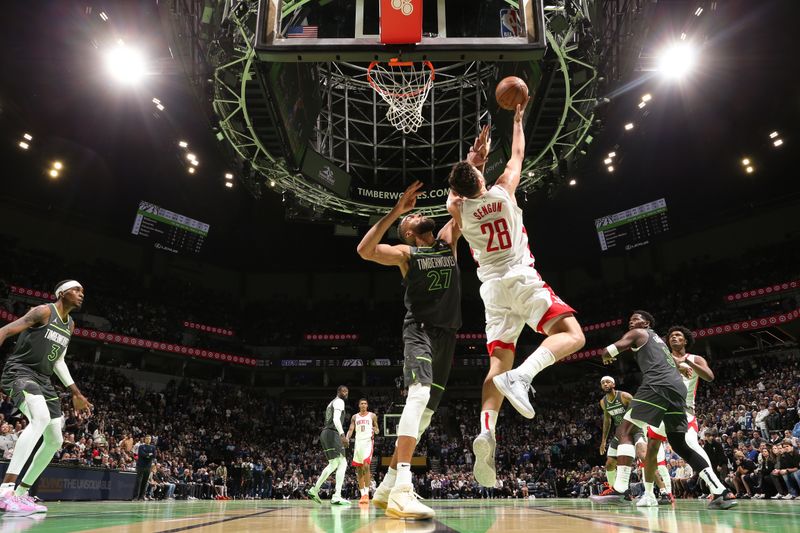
(488, 421)
(648, 488)
(403, 474)
(340, 472)
(623, 478)
(712, 481)
(364, 491)
(326, 474)
(664, 473)
(6, 489)
(540, 359)
(390, 478)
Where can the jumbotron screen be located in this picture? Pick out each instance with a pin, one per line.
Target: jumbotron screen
(169, 231)
(633, 227)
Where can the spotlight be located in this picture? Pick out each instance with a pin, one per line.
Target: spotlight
(629, 126)
(683, 36)
(611, 169)
(677, 60)
(104, 16)
(607, 161)
(57, 165)
(612, 154)
(271, 183)
(749, 170)
(29, 137)
(229, 184)
(777, 142)
(647, 97)
(572, 183)
(191, 170)
(125, 65)
(156, 101)
(160, 107)
(642, 104)
(194, 162)
(190, 156)
(698, 12)
(183, 144)
(228, 176)
(53, 173)
(771, 135)
(24, 145)
(746, 161)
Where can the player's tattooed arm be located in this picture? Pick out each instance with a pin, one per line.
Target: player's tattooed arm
(352, 427)
(36, 316)
(635, 338)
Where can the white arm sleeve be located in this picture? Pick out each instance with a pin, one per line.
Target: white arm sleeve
(60, 369)
(338, 409)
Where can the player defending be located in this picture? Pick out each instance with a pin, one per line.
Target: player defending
(433, 303)
(660, 403)
(614, 405)
(333, 443)
(513, 293)
(44, 334)
(365, 426)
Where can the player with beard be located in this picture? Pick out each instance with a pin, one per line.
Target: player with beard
(432, 283)
(614, 404)
(44, 334)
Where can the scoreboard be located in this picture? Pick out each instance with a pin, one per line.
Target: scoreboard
(169, 231)
(633, 227)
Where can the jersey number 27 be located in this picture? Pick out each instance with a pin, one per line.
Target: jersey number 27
(497, 228)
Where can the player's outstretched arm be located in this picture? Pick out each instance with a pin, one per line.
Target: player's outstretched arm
(635, 338)
(479, 151)
(509, 180)
(450, 233)
(352, 427)
(700, 365)
(37, 316)
(370, 247)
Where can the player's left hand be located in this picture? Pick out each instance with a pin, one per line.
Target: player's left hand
(521, 110)
(608, 358)
(409, 199)
(82, 404)
(345, 442)
(686, 370)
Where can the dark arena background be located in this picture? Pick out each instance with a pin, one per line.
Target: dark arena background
(208, 170)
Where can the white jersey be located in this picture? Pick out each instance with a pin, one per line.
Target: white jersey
(492, 225)
(691, 386)
(364, 431)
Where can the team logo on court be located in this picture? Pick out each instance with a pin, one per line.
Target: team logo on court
(404, 6)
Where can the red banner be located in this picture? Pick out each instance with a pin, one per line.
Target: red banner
(763, 291)
(208, 329)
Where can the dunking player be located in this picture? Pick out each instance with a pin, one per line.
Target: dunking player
(333, 443)
(513, 293)
(44, 334)
(614, 404)
(433, 302)
(365, 425)
(660, 403)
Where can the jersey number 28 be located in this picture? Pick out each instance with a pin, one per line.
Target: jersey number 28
(497, 228)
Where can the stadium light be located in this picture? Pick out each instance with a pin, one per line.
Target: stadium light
(771, 135)
(777, 142)
(677, 60)
(29, 137)
(746, 161)
(683, 36)
(24, 145)
(229, 184)
(271, 183)
(57, 165)
(607, 161)
(194, 162)
(53, 173)
(612, 154)
(698, 12)
(126, 65)
(642, 104)
(183, 144)
(629, 126)
(104, 16)
(647, 97)
(190, 156)
(611, 169)
(191, 170)
(573, 182)
(228, 176)
(749, 170)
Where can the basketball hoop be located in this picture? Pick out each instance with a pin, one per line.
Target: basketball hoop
(404, 85)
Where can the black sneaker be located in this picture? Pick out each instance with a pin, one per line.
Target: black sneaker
(724, 501)
(666, 499)
(613, 497)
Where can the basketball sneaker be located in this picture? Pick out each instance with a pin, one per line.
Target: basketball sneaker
(404, 503)
(484, 470)
(12, 505)
(516, 390)
(666, 498)
(32, 502)
(608, 490)
(338, 500)
(614, 497)
(364, 500)
(648, 499)
(723, 501)
(380, 498)
(314, 495)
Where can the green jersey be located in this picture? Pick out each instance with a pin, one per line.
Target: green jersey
(615, 409)
(39, 348)
(433, 286)
(337, 404)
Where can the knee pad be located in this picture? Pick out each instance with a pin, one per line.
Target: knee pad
(424, 422)
(626, 450)
(417, 399)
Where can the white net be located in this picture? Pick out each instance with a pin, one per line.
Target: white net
(405, 87)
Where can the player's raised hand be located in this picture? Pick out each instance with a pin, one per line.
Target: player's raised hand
(521, 110)
(409, 199)
(479, 151)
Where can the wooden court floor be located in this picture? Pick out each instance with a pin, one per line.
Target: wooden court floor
(467, 516)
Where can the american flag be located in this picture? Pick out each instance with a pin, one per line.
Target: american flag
(302, 32)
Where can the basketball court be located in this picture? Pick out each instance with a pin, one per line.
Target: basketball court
(463, 516)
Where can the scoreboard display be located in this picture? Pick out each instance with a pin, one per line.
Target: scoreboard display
(633, 227)
(169, 231)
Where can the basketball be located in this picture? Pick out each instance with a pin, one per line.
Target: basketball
(510, 92)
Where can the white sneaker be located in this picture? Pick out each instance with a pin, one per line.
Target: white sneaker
(381, 497)
(777, 497)
(788, 497)
(647, 500)
(516, 391)
(403, 503)
(338, 500)
(484, 470)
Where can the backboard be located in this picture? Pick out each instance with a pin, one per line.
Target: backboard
(349, 30)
